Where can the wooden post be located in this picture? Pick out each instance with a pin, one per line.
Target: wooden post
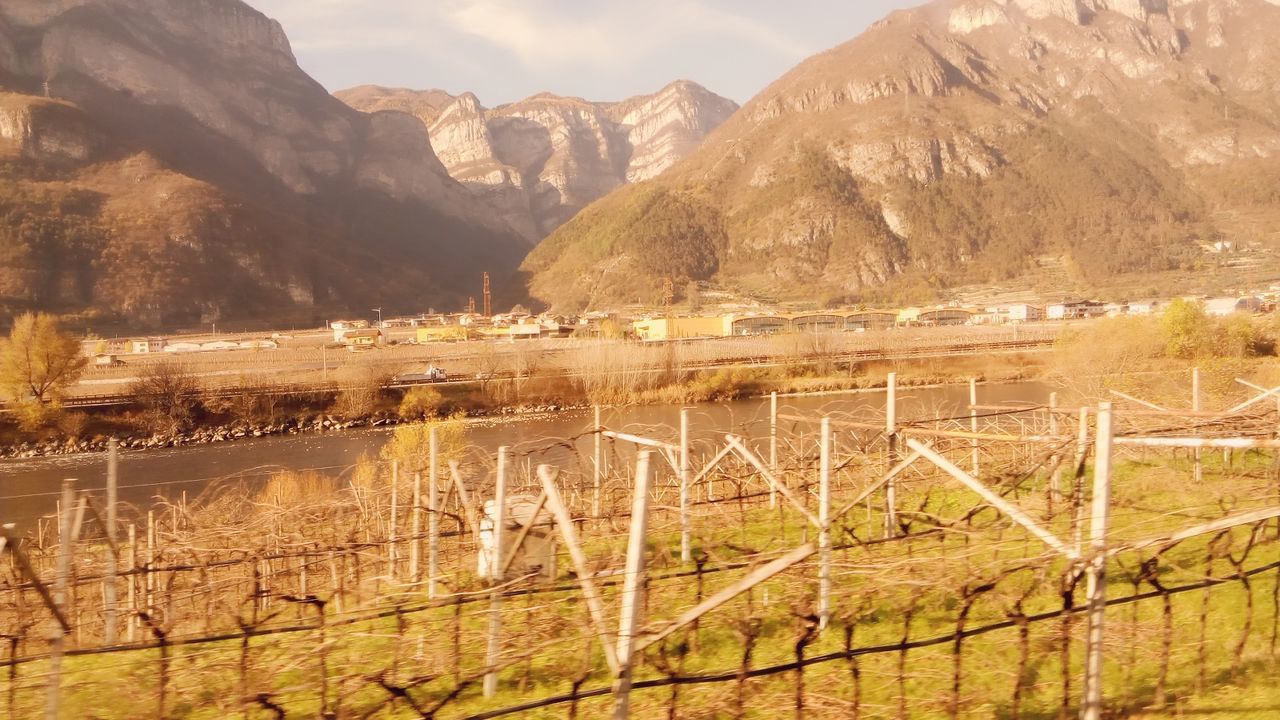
(891, 436)
(495, 576)
(597, 477)
(110, 612)
(632, 589)
(824, 520)
(773, 445)
(973, 424)
(1198, 470)
(391, 527)
(1091, 707)
(57, 635)
(433, 517)
(415, 541)
(686, 550)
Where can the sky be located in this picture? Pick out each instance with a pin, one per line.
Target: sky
(507, 50)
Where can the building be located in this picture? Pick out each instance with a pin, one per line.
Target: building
(342, 327)
(362, 339)
(871, 320)
(1020, 313)
(683, 327)
(147, 346)
(217, 345)
(1145, 307)
(1075, 310)
(759, 325)
(183, 347)
(944, 317)
(440, 333)
(1223, 306)
(818, 322)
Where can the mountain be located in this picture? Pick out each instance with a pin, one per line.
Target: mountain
(543, 159)
(963, 141)
(165, 160)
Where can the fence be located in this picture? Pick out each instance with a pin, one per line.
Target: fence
(1019, 561)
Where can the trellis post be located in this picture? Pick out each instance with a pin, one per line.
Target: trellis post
(1091, 707)
(57, 635)
(110, 611)
(686, 551)
(824, 523)
(1195, 407)
(495, 575)
(433, 516)
(891, 436)
(597, 476)
(632, 589)
(973, 424)
(773, 445)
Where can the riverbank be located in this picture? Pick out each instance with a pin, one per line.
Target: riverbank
(317, 414)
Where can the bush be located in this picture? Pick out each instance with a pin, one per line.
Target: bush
(421, 403)
(73, 424)
(411, 444)
(34, 416)
(169, 393)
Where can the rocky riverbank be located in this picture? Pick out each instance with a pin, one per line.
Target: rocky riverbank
(319, 423)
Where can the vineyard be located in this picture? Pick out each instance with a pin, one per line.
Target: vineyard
(984, 561)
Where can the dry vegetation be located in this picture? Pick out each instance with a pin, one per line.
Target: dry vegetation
(302, 595)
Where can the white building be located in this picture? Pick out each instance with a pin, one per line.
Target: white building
(1022, 312)
(147, 346)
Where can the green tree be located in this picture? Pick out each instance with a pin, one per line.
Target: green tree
(38, 362)
(1188, 330)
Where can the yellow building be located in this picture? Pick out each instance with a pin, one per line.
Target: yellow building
(683, 327)
(441, 333)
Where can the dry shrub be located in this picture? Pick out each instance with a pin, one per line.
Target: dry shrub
(73, 424)
(287, 490)
(361, 386)
(421, 403)
(1094, 359)
(169, 393)
(610, 372)
(410, 446)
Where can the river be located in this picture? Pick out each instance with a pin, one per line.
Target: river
(29, 488)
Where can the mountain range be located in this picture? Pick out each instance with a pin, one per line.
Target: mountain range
(960, 142)
(167, 160)
(541, 160)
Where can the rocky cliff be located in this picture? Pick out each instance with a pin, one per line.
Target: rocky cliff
(959, 142)
(541, 160)
(176, 143)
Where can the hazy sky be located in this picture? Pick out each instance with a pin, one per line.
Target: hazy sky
(505, 50)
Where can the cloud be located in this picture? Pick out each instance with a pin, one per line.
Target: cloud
(539, 33)
(535, 33)
(546, 32)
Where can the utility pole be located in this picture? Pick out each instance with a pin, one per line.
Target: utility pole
(488, 297)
